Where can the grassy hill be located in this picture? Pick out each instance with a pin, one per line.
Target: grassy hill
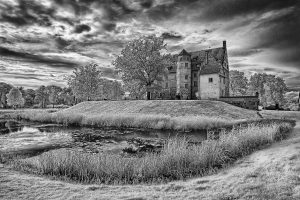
(175, 115)
(171, 108)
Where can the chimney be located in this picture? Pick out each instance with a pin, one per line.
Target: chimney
(224, 44)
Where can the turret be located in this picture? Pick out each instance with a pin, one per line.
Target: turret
(183, 75)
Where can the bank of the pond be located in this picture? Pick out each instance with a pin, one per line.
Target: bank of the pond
(177, 160)
(173, 115)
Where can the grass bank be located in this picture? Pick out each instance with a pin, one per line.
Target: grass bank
(178, 159)
(174, 115)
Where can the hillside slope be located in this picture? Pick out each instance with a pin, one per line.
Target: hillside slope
(171, 108)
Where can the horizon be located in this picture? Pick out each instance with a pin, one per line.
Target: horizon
(42, 41)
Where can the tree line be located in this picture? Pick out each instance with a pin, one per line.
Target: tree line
(85, 84)
(271, 88)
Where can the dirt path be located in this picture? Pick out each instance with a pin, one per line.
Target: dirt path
(271, 173)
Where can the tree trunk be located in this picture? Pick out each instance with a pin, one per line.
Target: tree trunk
(148, 95)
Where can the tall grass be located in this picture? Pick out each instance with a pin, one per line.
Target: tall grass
(177, 160)
(138, 120)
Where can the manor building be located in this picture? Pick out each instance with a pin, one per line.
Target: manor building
(200, 74)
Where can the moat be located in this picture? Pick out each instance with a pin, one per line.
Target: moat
(24, 137)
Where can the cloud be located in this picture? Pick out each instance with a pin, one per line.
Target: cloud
(171, 36)
(31, 58)
(244, 52)
(81, 28)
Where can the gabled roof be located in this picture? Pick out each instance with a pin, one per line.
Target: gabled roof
(209, 69)
(184, 53)
(217, 53)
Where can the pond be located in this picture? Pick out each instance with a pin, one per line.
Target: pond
(24, 137)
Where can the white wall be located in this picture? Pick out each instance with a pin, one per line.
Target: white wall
(209, 90)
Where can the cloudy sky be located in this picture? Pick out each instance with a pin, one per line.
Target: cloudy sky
(41, 41)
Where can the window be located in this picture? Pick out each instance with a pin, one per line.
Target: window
(186, 86)
(181, 59)
(210, 80)
(186, 77)
(224, 80)
(195, 84)
(195, 75)
(166, 85)
(186, 65)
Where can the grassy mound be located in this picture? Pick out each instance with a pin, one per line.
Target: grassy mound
(174, 115)
(163, 107)
(178, 159)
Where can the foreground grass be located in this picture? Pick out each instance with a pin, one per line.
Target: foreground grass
(178, 159)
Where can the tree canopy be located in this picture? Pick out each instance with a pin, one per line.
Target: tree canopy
(141, 61)
(86, 82)
(238, 83)
(14, 98)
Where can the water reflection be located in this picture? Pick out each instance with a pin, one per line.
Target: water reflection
(26, 137)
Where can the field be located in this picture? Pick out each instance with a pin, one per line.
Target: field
(175, 115)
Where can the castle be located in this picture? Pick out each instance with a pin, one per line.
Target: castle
(199, 75)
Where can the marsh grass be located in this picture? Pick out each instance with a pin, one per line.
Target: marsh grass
(129, 120)
(178, 159)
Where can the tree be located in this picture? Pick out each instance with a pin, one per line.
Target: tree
(4, 89)
(238, 83)
(54, 92)
(271, 89)
(29, 97)
(141, 61)
(42, 96)
(14, 98)
(136, 90)
(66, 96)
(86, 82)
(111, 89)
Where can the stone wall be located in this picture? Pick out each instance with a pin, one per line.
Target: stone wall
(248, 102)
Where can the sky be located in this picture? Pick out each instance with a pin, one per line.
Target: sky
(42, 41)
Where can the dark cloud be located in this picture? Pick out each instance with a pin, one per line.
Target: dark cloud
(61, 43)
(147, 3)
(109, 26)
(26, 13)
(32, 58)
(282, 35)
(81, 28)
(171, 36)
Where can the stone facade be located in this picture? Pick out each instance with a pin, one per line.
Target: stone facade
(199, 75)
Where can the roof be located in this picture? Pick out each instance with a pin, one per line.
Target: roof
(184, 53)
(217, 53)
(209, 69)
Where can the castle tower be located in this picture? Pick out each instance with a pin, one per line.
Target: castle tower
(183, 75)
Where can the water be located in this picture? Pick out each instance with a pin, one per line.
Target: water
(23, 137)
